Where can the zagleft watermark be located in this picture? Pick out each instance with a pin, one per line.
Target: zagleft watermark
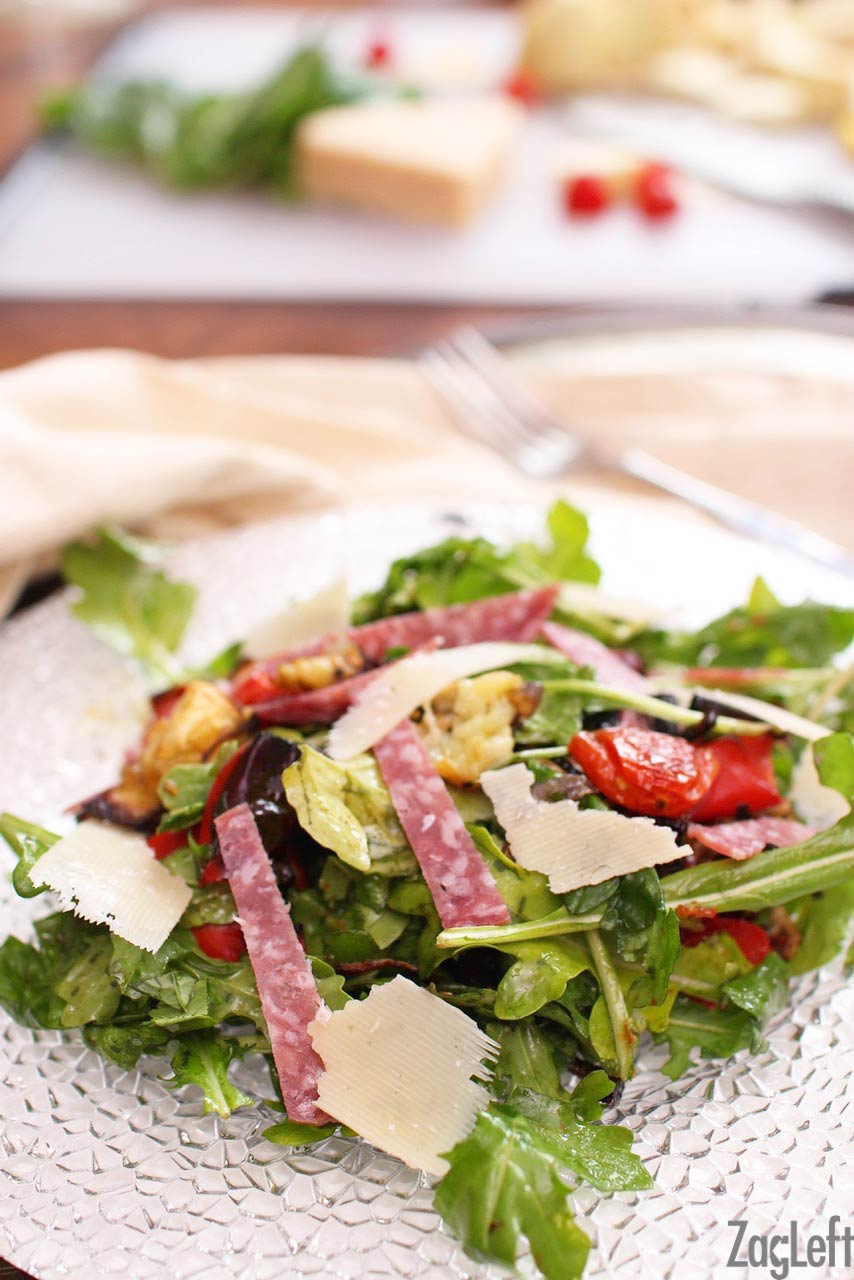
(789, 1249)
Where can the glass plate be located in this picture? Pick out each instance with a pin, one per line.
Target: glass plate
(104, 1172)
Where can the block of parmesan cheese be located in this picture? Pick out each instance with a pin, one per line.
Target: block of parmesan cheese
(437, 160)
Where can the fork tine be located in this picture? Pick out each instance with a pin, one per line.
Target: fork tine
(482, 414)
(483, 356)
(474, 406)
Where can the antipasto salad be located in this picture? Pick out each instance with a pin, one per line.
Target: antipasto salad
(450, 858)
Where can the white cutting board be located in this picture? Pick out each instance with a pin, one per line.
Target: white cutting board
(72, 225)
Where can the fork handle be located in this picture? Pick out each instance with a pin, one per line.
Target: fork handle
(745, 517)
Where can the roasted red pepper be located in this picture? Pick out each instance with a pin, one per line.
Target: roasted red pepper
(744, 783)
(657, 774)
(165, 842)
(751, 939)
(220, 941)
(254, 684)
(205, 829)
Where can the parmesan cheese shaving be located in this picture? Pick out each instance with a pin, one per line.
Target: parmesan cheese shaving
(398, 1070)
(327, 613)
(109, 876)
(777, 717)
(817, 805)
(582, 598)
(398, 689)
(573, 847)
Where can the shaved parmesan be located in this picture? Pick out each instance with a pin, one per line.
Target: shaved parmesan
(109, 876)
(573, 847)
(324, 614)
(398, 689)
(814, 803)
(777, 717)
(398, 1070)
(584, 599)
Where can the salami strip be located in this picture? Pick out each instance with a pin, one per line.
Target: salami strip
(586, 651)
(315, 706)
(516, 616)
(457, 875)
(741, 840)
(288, 994)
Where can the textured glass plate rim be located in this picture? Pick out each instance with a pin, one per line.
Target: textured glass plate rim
(109, 1171)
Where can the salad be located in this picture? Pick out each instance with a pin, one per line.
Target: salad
(451, 858)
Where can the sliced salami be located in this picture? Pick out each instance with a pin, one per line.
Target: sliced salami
(286, 987)
(586, 651)
(315, 706)
(742, 840)
(457, 875)
(515, 616)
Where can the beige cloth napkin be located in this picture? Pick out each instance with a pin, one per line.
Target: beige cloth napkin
(184, 447)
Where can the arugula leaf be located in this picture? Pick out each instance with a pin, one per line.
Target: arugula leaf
(763, 633)
(184, 789)
(125, 1043)
(763, 991)
(717, 1033)
(825, 922)
(202, 1058)
(834, 761)
(538, 975)
(703, 969)
(612, 1031)
(600, 1154)
(63, 980)
(503, 1186)
(640, 928)
(330, 985)
(128, 601)
(462, 569)
(531, 1056)
(526, 893)
(290, 1133)
(29, 842)
(557, 716)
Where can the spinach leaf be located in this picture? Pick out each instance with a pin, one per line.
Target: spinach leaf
(128, 601)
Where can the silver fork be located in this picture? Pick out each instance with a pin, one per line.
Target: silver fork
(491, 405)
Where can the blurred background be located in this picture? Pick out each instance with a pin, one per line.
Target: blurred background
(177, 168)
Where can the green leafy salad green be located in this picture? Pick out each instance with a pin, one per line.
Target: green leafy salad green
(610, 721)
(197, 141)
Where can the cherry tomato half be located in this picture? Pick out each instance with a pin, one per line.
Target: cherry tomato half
(220, 941)
(657, 774)
(586, 195)
(751, 939)
(744, 780)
